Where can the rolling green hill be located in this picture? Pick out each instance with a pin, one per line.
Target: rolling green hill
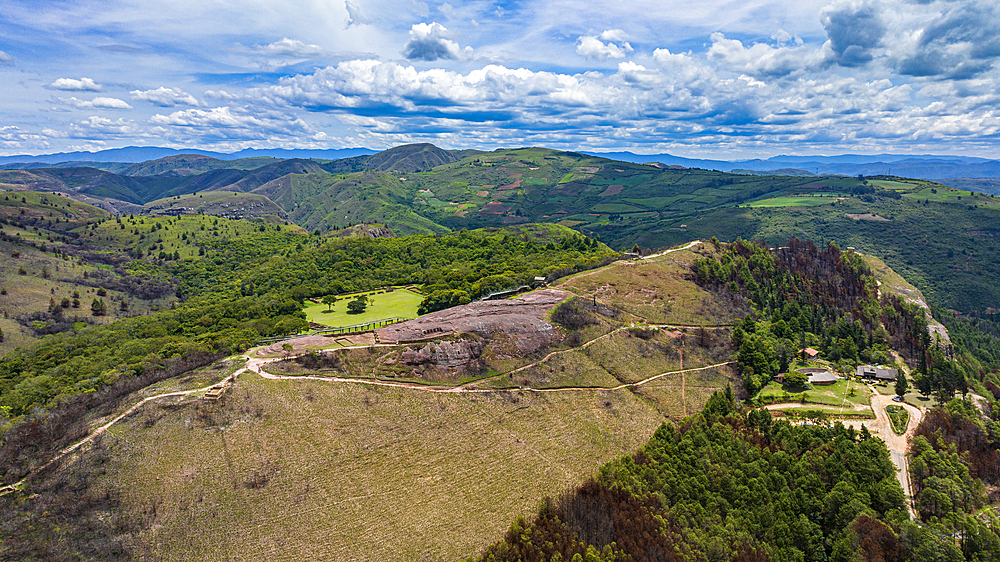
(939, 237)
(229, 204)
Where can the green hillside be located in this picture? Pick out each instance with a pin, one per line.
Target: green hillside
(936, 236)
(228, 204)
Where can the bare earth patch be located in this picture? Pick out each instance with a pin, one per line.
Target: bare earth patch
(523, 318)
(866, 217)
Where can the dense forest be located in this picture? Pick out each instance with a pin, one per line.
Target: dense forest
(806, 296)
(728, 484)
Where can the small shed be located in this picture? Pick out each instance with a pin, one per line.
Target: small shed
(809, 352)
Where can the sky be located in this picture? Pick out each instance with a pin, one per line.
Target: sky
(709, 78)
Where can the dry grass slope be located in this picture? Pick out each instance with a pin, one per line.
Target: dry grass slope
(657, 290)
(291, 470)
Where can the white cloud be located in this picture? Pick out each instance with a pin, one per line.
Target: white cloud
(97, 127)
(165, 97)
(429, 42)
(96, 103)
(81, 85)
(221, 95)
(224, 122)
(615, 35)
(5, 59)
(761, 58)
(354, 14)
(592, 46)
(291, 48)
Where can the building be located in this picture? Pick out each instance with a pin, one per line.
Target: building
(822, 379)
(882, 374)
(809, 352)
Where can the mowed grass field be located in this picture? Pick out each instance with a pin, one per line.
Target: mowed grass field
(306, 470)
(837, 394)
(797, 201)
(400, 303)
(657, 290)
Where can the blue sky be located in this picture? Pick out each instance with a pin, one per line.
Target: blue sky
(713, 78)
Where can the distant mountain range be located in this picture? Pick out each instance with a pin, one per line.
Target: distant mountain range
(135, 154)
(928, 166)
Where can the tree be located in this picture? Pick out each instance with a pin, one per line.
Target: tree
(358, 305)
(98, 307)
(1, 335)
(287, 347)
(329, 301)
(796, 379)
(901, 384)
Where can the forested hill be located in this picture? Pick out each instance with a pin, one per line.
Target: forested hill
(728, 484)
(240, 290)
(936, 236)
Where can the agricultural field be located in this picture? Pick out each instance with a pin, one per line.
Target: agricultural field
(798, 200)
(400, 303)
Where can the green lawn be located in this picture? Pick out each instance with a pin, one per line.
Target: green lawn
(832, 395)
(401, 303)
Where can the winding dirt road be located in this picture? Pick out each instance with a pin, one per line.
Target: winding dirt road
(898, 445)
(256, 365)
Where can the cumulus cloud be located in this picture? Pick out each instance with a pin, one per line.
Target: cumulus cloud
(81, 85)
(854, 30)
(164, 97)
(429, 42)
(763, 59)
(96, 103)
(225, 122)
(963, 42)
(595, 47)
(98, 127)
(5, 59)
(291, 48)
(354, 15)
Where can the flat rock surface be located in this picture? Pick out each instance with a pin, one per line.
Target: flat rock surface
(522, 317)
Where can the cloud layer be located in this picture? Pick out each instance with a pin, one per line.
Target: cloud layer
(706, 79)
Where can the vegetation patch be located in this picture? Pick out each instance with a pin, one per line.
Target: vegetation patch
(381, 305)
(898, 417)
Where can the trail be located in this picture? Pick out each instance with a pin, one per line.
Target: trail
(689, 245)
(256, 364)
(98, 431)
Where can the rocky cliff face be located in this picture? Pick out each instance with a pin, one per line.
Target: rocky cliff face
(445, 354)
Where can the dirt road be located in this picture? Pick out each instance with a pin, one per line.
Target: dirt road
(98, 431)
(898, 445)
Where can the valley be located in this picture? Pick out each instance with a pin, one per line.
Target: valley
(226, 395)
